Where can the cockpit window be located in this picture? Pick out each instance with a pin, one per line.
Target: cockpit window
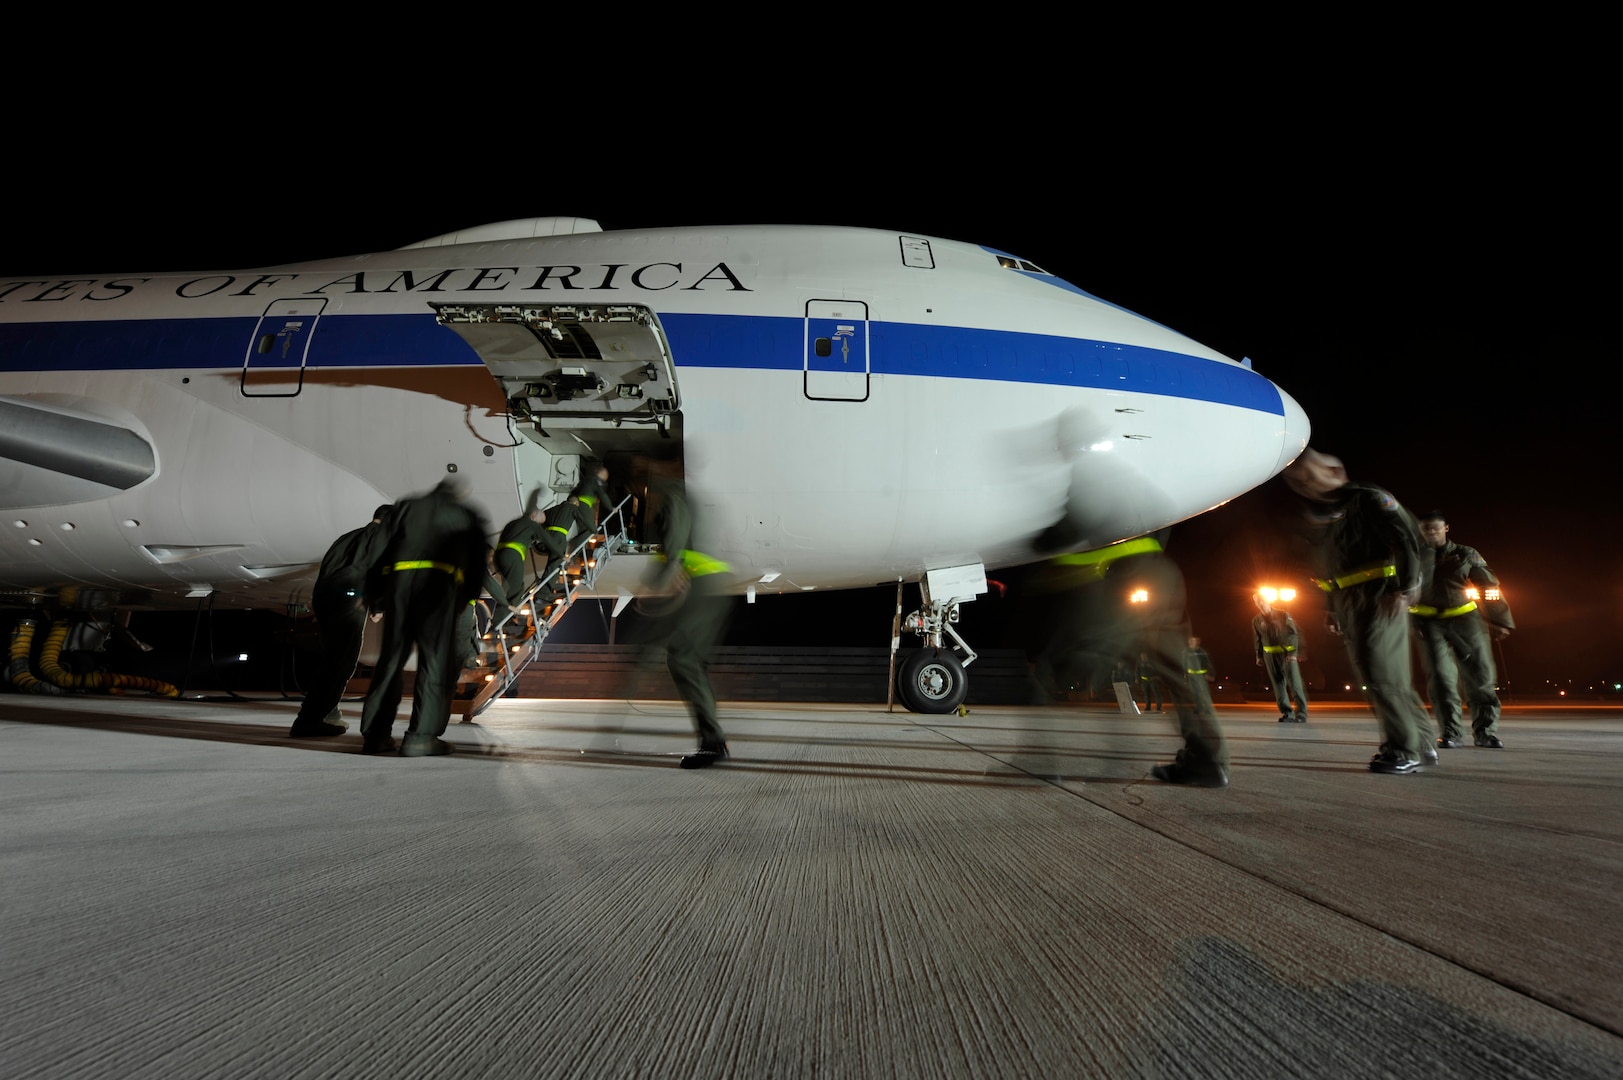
(1009, 262)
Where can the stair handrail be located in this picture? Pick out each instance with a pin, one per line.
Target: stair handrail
(590, 568)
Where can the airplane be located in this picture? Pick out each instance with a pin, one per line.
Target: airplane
(851, 407)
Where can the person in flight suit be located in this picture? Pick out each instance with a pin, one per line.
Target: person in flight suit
(1450, 629)
(560, 519)
(339, 600)
(691, 628)
(432, 566)
(590, 496)
(1156, 630)
(1273, 633)
(1197, 669)
(1147, 684)
(1367, 550)
(1080, 636)
(518, 538)
(581, 507)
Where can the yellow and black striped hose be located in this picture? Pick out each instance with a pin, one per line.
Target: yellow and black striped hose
(50, 666)
(22, 647)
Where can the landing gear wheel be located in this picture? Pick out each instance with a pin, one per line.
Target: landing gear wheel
(931, 682)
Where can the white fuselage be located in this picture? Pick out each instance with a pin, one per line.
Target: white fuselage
(853, 406)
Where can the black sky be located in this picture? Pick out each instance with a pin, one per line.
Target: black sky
(1426, 268)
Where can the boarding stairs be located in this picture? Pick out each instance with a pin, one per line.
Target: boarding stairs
(582, 572)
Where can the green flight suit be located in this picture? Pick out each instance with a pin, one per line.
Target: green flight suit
(518, 537)
(345, 588)
(590, 498)
(433, 564)
(1453, 628)
(1159, 628)
(1148, 686)
(560, 519)
(1368, 558)
(1085, 635)
(690, 629)
(1273, 633)
(1197, 668)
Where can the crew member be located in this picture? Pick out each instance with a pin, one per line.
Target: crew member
(590, 495)
(1147, 685)
(432, 566)
(1273, 634)
(696, 621)
(518, 538)
(1367, 548)
(560, 519)
(344, 590)
(1453, 628)
(1080, 627)
(1157, 630)
(1197, 669)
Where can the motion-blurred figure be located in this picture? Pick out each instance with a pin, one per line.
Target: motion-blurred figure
(1367, 550)
(432, 566)
(1082, 624)
(1121, 678)
(1197, 670)
(344, 591)
(1155, 629)
(589, 495)
(1273, 634)
(696, 616)
(1450, 629)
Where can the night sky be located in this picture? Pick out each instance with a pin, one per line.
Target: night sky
(1431, 276)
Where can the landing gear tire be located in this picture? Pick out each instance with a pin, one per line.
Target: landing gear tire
(931, 682)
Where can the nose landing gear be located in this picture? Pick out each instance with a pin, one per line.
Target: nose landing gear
(932, 679)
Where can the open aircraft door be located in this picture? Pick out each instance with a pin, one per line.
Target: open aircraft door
(594, 378)
(836, 350)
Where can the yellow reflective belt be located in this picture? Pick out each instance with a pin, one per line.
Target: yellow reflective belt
(1111, 553)
(1357, 577)
(559, 529)
(1101, 558)
(516, 546)
(1196, 671)
(588, 501)
(427, 564)
(698, 564)
(1279, 648)
(1428, 612)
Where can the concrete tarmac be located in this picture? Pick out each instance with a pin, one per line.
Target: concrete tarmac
(185, 892)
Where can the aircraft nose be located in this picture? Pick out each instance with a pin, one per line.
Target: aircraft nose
(1296, 431)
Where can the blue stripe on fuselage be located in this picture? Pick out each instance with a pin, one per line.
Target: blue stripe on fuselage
(716, 341)
(136, 344)
(958, 352)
